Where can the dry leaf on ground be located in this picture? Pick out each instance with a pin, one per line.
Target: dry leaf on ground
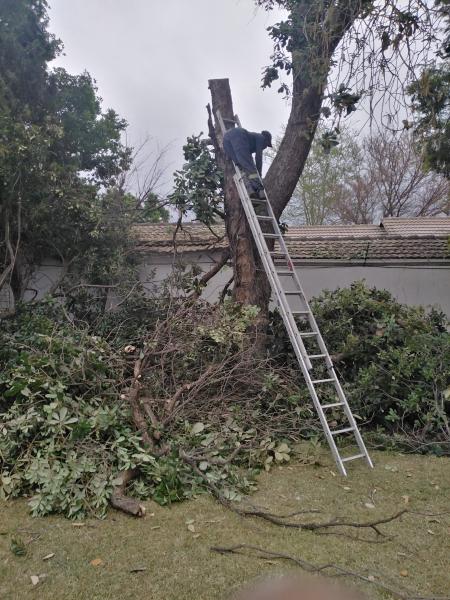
(96, 562)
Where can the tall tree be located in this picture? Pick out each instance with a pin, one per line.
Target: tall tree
(328, 176)
(430, 97)
(326, 47)
(398, 181)
(58, 150)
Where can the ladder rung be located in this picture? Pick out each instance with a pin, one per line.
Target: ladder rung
(286, 272)
(308, 333)
(345, 430)
(316, 356)
(301, 312)
(331, 405)
(278, 253)
(353, 457)
(322, 380)
(271, 235)
(264, 218)
(258, 201)
(297, 293)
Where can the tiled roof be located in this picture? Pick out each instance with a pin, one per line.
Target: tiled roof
(190, 237)
(423, 238)
(334, 231)
(370, 249)
(420, 227)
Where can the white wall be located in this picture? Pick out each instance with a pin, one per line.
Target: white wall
(419, 284)
(428, 285)
(155, 268)
(43, 279)
(415, 285)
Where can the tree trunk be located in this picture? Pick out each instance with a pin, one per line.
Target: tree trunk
(250, 282)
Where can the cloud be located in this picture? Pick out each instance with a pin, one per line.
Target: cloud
(152, 60)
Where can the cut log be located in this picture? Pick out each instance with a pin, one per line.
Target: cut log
(121, 501)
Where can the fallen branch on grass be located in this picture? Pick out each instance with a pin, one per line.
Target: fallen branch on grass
(315, 525)
(327, 569)
(281, 520)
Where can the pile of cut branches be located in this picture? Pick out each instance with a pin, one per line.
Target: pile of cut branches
(89, 420)
(166, 398)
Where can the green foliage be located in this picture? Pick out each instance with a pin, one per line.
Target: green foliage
(329, 140)
(344, 100)
(198, 186)
(26, 47)
(17, 547)
(64, 435)
(58, 151)
(147, 211)
(394, 362)
(333, 164)
(90, 140)
(66, 429)
(430, 97)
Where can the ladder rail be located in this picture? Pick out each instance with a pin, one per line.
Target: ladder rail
(287, 313)
(265, 256)
(303, 365)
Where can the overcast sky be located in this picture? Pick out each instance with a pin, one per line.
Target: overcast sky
(152, 60)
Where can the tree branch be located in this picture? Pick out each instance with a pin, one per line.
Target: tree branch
(210, 274)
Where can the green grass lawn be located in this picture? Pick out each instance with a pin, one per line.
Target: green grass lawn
(180, 565)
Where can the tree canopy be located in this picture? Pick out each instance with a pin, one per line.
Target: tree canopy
(60, 152)
(430, 96)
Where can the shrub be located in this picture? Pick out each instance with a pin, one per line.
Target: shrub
(64, 435)
(393, 360)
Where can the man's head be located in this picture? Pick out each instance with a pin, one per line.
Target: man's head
(267, 138)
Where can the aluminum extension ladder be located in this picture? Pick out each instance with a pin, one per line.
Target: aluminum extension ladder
(293, 303)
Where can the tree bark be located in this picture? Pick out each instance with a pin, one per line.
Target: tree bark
(121, 501)
(250, 282)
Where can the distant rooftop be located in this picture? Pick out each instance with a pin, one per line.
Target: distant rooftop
(421, 238)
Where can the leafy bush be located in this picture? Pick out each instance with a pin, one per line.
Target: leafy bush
(64, 435)
(394, 362)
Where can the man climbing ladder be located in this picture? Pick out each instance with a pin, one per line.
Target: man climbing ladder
(314, 360)
(239, 145)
